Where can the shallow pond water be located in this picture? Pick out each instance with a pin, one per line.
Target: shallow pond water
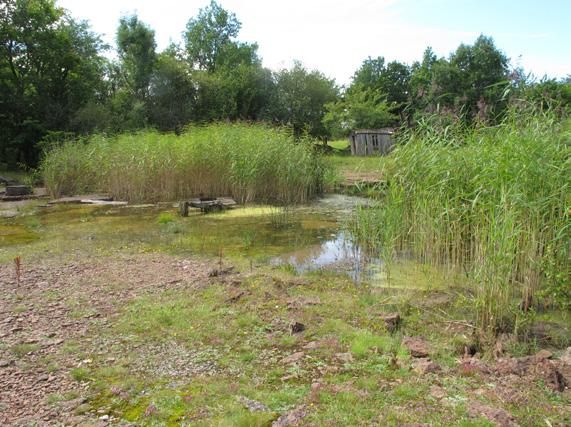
(303, 238)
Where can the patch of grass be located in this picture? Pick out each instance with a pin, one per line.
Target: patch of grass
(52, 399)
(80, 374)
(363, 342)
(347, 163)
(339, 144)
(165, 218)
(20, 350)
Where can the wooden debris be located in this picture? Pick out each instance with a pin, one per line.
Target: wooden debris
(7, 181)
(183, 208)
(206, 204)
(18, 190)
(91, 199)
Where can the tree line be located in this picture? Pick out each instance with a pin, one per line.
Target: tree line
(57, 83)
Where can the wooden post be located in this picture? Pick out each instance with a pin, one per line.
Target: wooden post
(183, 208)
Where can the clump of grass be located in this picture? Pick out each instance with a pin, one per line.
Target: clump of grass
(20, 350)
(247, 162)
(165, 218)
(80, 374)
(492, 202)
(281, 217)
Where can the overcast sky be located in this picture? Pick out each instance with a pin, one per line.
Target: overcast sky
(336, 36)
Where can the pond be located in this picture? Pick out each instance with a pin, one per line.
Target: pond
(307, 237)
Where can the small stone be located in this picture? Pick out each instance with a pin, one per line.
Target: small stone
(437, 392)
(73, 404)
(344, 357)
(330, 343)
(543, 354)
(391, 320)
(566, 356)
(49, 343)
(498, 416)
(104, 417)
(296, 327)
(252, 405)
(416, 346)
(425, 366)
(82, 409)
(473, 365)
(151, 410)
(4, 363)
(302, 301)
(43, 377)
(294, 358)
(289, 377)
(291, 418)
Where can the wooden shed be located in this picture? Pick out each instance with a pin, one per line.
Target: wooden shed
(368, 142)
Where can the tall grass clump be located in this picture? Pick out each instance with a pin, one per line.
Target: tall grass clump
(247, 162)
(492, 202)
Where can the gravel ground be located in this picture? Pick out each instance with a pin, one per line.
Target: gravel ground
(59, 303)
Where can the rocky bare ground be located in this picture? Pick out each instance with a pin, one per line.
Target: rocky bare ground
(57, 303)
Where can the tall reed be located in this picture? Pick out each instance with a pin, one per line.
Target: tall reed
(248, 162)
(492, 202)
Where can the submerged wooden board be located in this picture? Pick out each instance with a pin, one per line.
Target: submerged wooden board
(91, 198)
(206, 205)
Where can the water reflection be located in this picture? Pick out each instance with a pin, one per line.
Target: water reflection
(339, 254)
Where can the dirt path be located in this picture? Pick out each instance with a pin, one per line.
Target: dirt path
(56, 304)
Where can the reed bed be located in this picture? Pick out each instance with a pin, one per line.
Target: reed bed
(247, 162)
(491, 202)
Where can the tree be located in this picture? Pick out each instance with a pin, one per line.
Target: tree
(359, 108)
(210, 40)
(172, 92)
(50, 67)
(421, 81)
(472, 81)
(300, 100)
(388, 83)
(136, 48)
(391, 81)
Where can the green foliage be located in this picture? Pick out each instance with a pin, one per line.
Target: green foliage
(390, 81)
(165, 218)
(360, 108)
(301, 96)
(136, 47)
(209, 40)
(55, 81)
(491, 201)
(172, 93)
(244, 161)
(50, 66)
(470, 84)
